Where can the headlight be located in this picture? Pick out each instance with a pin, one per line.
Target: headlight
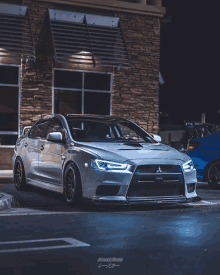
(188, 165)
(108, 165)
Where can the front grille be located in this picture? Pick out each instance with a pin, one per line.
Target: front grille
(153, 168)
(147, 183)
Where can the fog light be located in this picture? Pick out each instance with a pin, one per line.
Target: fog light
(107, 190)
(190, 187)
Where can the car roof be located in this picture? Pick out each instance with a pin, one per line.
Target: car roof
(100, 118)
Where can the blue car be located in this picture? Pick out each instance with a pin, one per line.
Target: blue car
(205, 153)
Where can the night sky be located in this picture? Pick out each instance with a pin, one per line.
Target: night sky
(189, 61)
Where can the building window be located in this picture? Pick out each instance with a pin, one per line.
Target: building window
(9, 104)
(82, 92)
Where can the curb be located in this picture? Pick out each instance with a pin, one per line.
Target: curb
(6, 201)
(6, 173)
(6, 176)
(205, 203)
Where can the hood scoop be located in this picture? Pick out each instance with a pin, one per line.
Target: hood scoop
(160, 149)
(130, 149)
(133, 144)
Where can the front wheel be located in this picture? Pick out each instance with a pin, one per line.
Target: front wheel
(19, 175)
(72, 186)
(212, 174)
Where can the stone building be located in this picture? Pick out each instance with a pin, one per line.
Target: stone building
(78, 56)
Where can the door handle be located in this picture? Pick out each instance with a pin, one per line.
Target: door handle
(25, 144)
(41, 147)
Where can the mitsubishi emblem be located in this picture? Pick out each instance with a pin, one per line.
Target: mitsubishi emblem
(159, 170)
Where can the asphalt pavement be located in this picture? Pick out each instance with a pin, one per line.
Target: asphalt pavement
(174, 242)
(41, 234)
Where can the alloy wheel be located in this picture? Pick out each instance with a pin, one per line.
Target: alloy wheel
(18, 173)
(214, 175)
(70, 184)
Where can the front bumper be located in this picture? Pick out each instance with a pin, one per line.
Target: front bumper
(162, 200)
(143, 186)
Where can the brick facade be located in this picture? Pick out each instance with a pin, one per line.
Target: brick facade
(135, 93)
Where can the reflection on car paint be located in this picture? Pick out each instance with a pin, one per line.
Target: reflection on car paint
(113, 142)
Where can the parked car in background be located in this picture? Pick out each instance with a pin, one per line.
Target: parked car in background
(205, 153)
(105, 159)
(178, 136)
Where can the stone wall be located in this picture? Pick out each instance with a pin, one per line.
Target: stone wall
(36, 77)
(135, 90)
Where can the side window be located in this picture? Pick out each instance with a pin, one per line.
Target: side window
(38, 131)
(55, 125)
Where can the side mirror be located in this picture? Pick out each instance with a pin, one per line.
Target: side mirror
(157, 138)
(55, 136)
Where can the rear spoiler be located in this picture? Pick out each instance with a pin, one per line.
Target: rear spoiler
(25, 128)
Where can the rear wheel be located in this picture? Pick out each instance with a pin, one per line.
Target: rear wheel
(19, 175)
(212, 174)
(72, 185)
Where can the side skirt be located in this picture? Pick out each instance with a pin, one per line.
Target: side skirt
(48, 186)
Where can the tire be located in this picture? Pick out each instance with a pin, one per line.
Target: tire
(212, 174)
(19, 175)
(72, 185)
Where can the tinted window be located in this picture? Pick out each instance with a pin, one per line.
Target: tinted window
(83, 130)
(68, 102)
(130, 131)
(95, 81)
(8, 75)
(8, 108)
(38, 131)
(55, 125)
(97, 103)
(8, 139)
(67, 79)
(96, 131)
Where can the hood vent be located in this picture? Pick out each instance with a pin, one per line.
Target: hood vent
(130, 149)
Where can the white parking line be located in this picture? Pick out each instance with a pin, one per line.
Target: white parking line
(70, 242)
(23, 212)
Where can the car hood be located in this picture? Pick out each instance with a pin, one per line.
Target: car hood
(148, 153)
(212, 140)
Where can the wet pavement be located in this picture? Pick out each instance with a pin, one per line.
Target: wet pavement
(165, 241)
(170, 240)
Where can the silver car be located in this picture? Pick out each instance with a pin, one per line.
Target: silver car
(104, 159)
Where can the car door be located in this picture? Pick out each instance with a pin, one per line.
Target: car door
(50, 156)
(31, 150)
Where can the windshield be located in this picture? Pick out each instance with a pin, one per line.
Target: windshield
(97, 131)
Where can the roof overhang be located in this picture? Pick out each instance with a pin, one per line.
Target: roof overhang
(88, 39)
(115, 5)
(15, 33)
